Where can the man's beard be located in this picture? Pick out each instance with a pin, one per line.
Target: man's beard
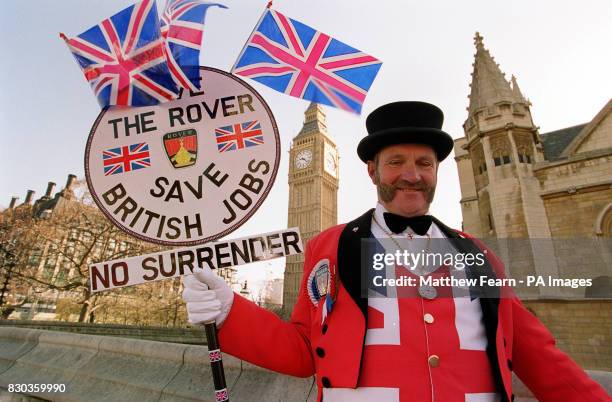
(386, 192)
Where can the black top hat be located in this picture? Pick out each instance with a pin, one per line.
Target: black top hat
(405, 122)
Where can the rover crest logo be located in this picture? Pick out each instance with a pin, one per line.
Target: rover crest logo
(181, 147)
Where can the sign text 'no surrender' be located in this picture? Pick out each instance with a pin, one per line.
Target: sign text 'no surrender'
(182, 261)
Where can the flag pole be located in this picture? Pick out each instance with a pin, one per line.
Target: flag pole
(216, 362)
(250, 36)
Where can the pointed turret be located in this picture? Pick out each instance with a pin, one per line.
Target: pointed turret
(516, 91)
(500, 192)
(314, 120)
(489, 85)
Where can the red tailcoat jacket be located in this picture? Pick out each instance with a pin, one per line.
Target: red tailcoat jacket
(517, 341)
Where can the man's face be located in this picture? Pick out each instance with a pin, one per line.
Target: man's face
(405, 176)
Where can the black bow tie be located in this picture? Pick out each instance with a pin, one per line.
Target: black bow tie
(398, 223)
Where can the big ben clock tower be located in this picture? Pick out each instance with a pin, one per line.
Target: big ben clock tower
(313, 191)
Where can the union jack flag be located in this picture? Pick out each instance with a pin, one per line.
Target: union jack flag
(221, 395)
(214, 355)
(238, 136)
(126, 158)
(182, 26)
(297, 60)
(123, 58)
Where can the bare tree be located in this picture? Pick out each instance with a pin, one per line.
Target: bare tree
(156, 303)
(53, 248)
(14, 224)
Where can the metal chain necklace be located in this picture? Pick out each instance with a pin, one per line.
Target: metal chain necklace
(425, 291)
(390, 235)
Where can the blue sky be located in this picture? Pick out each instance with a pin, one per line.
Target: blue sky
(558, 50)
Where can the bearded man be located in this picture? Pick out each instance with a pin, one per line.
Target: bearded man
(427, 346)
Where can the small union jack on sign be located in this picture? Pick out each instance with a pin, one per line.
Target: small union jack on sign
(126, 158)
(238, 136)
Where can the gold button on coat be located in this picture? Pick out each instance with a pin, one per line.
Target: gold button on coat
(428, 318)
(434, 361)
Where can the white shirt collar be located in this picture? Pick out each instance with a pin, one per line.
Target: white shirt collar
(433, 232)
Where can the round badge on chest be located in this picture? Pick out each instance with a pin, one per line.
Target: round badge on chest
(318, 281)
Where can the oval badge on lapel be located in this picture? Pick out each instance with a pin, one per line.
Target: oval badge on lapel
(318, 281)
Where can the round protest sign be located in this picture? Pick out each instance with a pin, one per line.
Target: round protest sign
(187, 171)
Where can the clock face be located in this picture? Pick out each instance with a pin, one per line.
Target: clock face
(331, 165)
(303, 158)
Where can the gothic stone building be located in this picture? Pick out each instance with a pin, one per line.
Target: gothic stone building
(545, 201)
(516, 182)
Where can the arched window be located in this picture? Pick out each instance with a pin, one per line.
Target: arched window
(478, 159)
(524, 155)
(603, 223)
(501, 157)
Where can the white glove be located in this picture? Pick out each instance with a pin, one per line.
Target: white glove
(207, 296)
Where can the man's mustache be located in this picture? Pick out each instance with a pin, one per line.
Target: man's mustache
(406, 185)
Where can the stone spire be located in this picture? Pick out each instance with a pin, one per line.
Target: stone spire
(516, 91)
(489, 86)
(314, 120)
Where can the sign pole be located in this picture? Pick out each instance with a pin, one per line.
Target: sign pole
(216, 362)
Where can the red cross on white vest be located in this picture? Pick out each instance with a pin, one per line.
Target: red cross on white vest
(425, 360)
